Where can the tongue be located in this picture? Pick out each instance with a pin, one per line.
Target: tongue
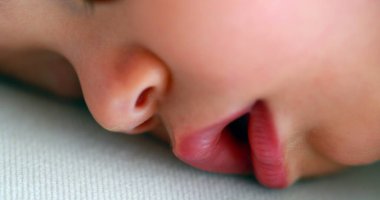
(214, 150)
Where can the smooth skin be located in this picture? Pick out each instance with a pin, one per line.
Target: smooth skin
(170, 66)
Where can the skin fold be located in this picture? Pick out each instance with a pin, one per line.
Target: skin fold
(175, 67)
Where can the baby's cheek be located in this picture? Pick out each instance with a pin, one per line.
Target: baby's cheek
(350, 149)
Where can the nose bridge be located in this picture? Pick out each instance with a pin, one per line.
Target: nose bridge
(123, 92)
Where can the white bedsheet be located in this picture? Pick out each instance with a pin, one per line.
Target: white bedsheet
(53, 150)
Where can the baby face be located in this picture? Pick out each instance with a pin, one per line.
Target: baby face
(281, 89)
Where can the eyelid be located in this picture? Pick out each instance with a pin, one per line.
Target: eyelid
(92, 2)
(89, 2)
(89, 5)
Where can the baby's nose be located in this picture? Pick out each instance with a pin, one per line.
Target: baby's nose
(123, 95)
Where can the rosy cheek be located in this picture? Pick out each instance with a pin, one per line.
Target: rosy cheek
(349, 150)
(287, 31)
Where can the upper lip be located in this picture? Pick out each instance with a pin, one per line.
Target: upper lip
(218, 148)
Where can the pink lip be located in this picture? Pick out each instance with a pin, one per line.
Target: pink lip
(215, 149)
(266, 152)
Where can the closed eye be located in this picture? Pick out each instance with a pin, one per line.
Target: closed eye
(91, 3)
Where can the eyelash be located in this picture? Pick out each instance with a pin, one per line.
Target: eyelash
(89, 2)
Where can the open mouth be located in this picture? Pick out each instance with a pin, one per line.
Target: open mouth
(244, 142)
(239, 128)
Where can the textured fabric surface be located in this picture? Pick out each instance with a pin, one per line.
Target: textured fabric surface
(53, 150)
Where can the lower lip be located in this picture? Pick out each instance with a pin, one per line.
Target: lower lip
(266, 152)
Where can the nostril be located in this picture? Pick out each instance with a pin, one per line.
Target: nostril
(145, 108)
(144, 97)
(147, 125)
